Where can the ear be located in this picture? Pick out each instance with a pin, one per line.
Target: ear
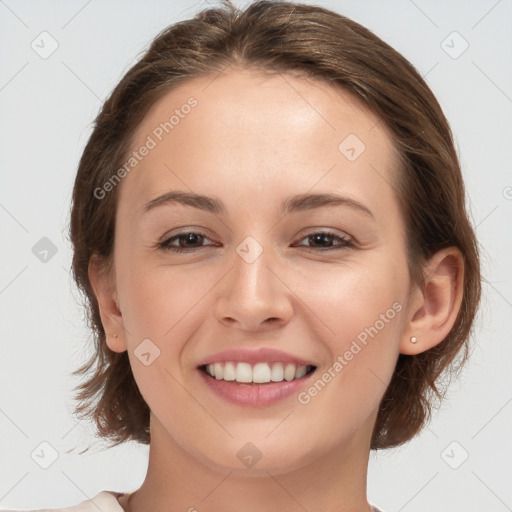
(103, 284)
(433, 309)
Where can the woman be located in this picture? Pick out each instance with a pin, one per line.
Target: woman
(269, 227)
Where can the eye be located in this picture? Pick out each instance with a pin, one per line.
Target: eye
(326, 238)
(187, 241)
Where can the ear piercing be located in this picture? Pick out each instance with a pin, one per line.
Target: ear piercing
(413, 338)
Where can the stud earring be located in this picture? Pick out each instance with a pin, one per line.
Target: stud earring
(114, 335)
(414, 339)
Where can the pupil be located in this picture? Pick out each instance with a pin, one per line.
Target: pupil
(322, 236)
(190, 238)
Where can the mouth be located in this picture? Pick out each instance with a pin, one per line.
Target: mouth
(255, 385)
(260, 373)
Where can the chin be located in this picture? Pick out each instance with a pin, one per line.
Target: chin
(258, 459)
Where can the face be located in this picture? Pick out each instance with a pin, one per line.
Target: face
(261, 267)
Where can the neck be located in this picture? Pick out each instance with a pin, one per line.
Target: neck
(177, 481)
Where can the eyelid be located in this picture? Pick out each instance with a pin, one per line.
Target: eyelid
(328, 231)
(346, 241)
(185, 230)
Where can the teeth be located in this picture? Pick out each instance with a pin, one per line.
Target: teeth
(277, 374)
(243, 372)
(300, 372)
(229, 371)
(289, 372)
(219, 372)
(260, 373)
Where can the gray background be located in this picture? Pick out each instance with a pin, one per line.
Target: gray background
(47, 106)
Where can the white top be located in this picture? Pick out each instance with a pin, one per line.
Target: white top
(106, 501)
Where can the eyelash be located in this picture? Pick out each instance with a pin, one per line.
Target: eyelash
(166, 244)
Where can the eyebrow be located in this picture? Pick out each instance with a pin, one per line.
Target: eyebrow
(296, 203)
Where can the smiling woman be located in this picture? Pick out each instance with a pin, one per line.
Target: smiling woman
(278, 285)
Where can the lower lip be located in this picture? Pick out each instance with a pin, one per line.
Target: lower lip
(255, 395)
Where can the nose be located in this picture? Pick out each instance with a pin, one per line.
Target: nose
(254, 295)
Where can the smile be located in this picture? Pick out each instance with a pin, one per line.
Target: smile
(258, 385)
(259, 373)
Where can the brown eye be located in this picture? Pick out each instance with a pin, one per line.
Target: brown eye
(325, 241)
(186, 242)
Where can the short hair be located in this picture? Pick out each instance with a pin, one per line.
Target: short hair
(283, 37)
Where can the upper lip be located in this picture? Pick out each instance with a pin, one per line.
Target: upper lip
(253, 356)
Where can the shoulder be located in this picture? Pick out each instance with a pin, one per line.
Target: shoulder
(106, 501)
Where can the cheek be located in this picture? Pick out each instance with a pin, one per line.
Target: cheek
(158, 300)
(337, 301)
(360, 320)
(349, 388)
(350, 299)
(159, 315)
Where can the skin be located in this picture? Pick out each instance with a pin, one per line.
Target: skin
(253, 140)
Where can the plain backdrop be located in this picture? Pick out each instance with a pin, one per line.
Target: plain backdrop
(461, 462)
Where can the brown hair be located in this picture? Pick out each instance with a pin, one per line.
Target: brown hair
(283, 37)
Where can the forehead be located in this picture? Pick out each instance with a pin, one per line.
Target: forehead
(255, 131)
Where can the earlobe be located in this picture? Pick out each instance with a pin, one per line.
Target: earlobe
(103, 286)
(434, 309)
